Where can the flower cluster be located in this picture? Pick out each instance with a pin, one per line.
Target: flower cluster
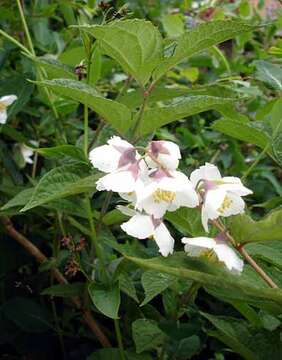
(152, 185)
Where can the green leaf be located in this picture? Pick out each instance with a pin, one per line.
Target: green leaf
(65, 151)
(244, 229)
(134, 98)
(187, 221)
(243, 130)
(249, 342)
(173, 25)
(180, 108)
(155, 283)
(64, 290)
(106, 299)
(61, 182)
(127, 286)
(200, 38)
(269, 73)
(212, 275)
(115, 113)
(19, 200)
(270, 252)
(135, 44)
(146, 335)
(54, 68)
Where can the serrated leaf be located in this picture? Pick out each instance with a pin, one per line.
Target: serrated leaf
(61, 182)
(146, 335)
(250, 132)
(244, 229)
(249, 342)
(64, 290)
(211, 275)
(180, 108)
(200, 38)
(54, 68)
(113, 112)
(135, 44)
(105, 298)
(269, 73)
(155, 283)
(64, 150)
(127, 286)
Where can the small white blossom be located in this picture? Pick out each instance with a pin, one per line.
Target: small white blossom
(142, 226)
(221, 195)
(197, 246)
(166, 153)
(166, 191)
(122, 163)
(27, 152)
(5, 101)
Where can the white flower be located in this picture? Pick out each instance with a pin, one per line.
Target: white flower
(27, 152)
(166, 191)
(122, 163)
(221, 195)
(145, 226)
(196, 246)
(5, 101)
(166, 152)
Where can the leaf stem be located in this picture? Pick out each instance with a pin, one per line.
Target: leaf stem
(14, 41)
(254, 164)
(119, 340)
(28, 37)
(245, 254)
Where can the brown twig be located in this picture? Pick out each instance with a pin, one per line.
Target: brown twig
(245, 254)
(40, 257)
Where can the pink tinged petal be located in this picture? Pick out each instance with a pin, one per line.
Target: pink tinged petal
(164, 240)
(158, 147)
(158, 174)
(8, 99)
(139, 226)
(3, 117)
(205, 172)
(105, 158)
(119, 181)
(234, 185)
(196, 246)
(229, 257)
(166, 152)
(127, 157)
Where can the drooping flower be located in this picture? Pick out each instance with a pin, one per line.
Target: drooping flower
(143, 226)
(221, 196)
(197, 246)
(27, 152)
(5, 101)
(122, 163)
(166, 153)
(166, 191)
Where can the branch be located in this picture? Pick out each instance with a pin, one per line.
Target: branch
(40, 257)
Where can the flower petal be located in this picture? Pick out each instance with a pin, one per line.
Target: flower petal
(234, 184)
(164, 240)
(8, 99)
(227, 255)
(166, 152)
(205, 172)
(3, 117)
(237, 205)
(119, 143)
(118, 181)
(105, 158)
(139, 226)
(212, 203)
(195, 246)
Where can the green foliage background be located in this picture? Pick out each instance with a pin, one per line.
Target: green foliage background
(216, 71)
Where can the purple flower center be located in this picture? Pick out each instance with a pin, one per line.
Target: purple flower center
(158, 174)
(156, 222)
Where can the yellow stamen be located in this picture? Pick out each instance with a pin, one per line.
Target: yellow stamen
(163, 195)
(225, 204)
(2, 106)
